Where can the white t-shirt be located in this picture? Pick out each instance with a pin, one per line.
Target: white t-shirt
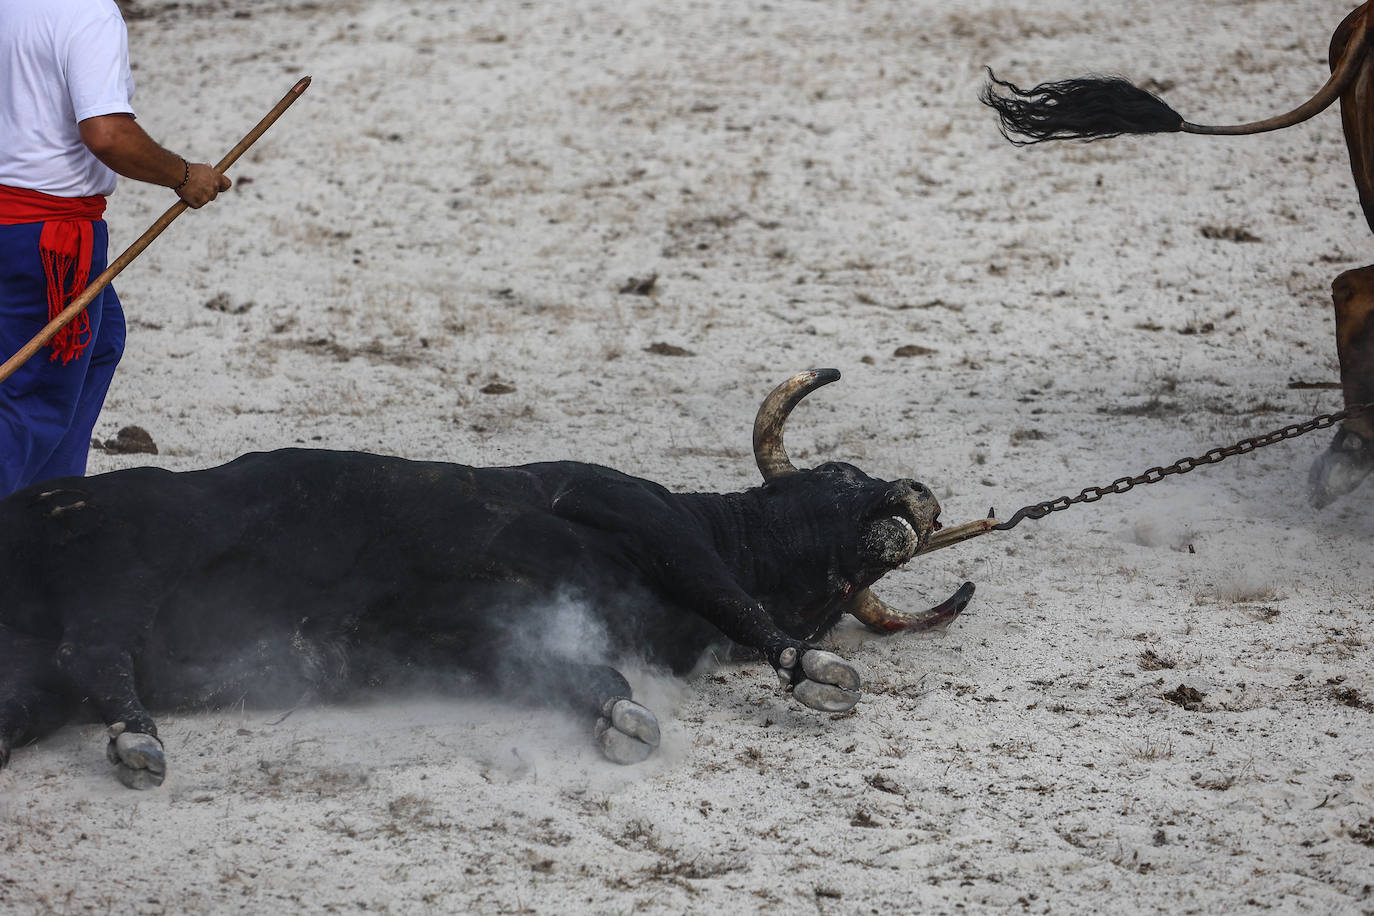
(61, 61)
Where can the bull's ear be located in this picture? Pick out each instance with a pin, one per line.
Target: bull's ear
(769, 453)
(876, 614)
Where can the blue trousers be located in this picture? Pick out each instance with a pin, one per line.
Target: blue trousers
(47, 409)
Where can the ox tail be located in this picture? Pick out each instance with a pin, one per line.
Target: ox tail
(1088, 108)
(1343, 73)
(1094, 107)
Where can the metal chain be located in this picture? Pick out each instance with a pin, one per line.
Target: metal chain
(1183, 465)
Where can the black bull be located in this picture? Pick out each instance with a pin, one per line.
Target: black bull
(300, 574)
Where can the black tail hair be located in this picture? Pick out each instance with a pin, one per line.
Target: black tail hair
(1090, 108)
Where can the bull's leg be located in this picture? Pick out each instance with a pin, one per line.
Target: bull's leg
(105, 675)
(625, 731)
(691, 570)
(463, 636)
(31, 700)
(1349, 458)
(822, 680)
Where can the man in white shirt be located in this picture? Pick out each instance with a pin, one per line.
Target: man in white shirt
(67, 130)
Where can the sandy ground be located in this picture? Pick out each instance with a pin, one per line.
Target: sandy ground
(436, 255)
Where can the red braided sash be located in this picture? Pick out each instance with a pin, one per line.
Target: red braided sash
(65, 247)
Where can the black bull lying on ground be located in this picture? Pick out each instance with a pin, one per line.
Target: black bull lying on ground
(300, 574)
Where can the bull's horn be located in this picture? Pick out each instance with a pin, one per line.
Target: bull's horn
(769, 453)
(876, 614)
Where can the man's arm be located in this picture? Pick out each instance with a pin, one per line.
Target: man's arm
(118, 141)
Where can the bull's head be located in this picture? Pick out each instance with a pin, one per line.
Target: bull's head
(852, 530)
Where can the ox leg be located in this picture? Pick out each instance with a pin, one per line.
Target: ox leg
(1349, 459)
(106, 676)
(691, 570)
(32, 702)
(626, 731)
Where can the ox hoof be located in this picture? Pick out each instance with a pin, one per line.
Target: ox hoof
(1344, 465)
(138, 758)
(831, 683)
(627, 732)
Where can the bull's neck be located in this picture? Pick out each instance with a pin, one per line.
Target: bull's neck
(739, 530)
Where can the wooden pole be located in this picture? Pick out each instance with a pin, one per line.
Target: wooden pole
(948, 537)
(99, 283)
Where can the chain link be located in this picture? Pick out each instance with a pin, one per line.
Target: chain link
(1183, 465)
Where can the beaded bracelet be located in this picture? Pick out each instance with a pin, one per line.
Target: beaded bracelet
(186, 167)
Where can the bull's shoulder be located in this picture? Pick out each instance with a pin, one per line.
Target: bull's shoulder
(562, 475)
(320, 464)
(607, 499)
(305, 470)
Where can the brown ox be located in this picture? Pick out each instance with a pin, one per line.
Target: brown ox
(1094, 108)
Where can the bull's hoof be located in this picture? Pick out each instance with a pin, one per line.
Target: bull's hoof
(138, 758)
(831, 684)
(627, 732)
(1344, 465)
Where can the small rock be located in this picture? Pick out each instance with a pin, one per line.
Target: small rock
(131, 440)
(884, 784)
(1189, 698)
(636, 286)
(1150, 661)
(1228, 233)
(221, 302)
(667, 349)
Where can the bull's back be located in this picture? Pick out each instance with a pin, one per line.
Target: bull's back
(293, 520)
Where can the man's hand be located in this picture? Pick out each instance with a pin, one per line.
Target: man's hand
(118, 141)
(203, 185)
